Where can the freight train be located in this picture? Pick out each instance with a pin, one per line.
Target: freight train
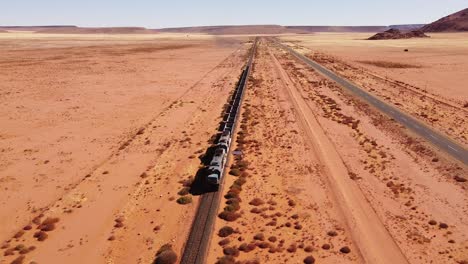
(216, 167)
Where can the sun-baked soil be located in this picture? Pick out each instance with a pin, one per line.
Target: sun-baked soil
(97, 133)
(413, 190)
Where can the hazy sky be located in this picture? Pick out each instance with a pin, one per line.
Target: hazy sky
(176, 13)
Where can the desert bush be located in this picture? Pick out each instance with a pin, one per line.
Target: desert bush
(232, 194)
(308, 249)
(19, 234)
(229, 216)
(292, 248)
(255, 210)
(184, 199)
(226, 260)
(259, 236)
(263, 244)
(345, 250)
(48, 224)
(272, 239)
(326, 246)
(224, 242)
(232, 207)
(40, 235)
(256, 202)
(166, 257)
(28, 227)
(9, 252)
(309, 260)
(241, 181)
(231, 251)
(184, 191)
(225, 231)
(18, 260)
(235, 172)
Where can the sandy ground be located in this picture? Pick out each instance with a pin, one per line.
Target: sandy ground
(100, 131)
(100, 134)
(410, 188)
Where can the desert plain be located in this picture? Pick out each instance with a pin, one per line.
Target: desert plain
(101, 135)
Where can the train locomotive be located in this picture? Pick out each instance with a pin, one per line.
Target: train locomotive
(216, 167)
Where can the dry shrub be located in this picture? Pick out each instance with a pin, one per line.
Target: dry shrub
(9, 252)
(40, 235)
(28, 227)
(225, 231)
(291, 203)
(263, 244)
(48, 224)
(184, 199)
(292, 248)
(247, 247)
(308, 249)
(229, 216)
(231, 251)
(19, 234)
(232, 194)
(345, 250)
(165, 255)
(226, 260)
(232, 207)
(256, 202)
(184, 191)
(235, 172)
(326, 246)
(18, 260)
(272, 239)
(224, 242)
(241, 181)
(259, 236)
(309, 260)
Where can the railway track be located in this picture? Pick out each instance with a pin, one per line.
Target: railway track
(198, 240)
(442, 142)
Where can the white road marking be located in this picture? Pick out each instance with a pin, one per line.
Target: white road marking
(432, 136)
(456, 150)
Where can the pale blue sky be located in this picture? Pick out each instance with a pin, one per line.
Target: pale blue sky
(176, 13)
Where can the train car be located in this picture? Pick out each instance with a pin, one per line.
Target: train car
(216, 168)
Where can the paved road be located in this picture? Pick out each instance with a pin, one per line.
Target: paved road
(441, 141)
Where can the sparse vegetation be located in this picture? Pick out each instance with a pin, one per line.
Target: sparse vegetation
(225, 231)
(309, 260)
(41, 235)
(184, 199)
(257, 202)
(165, 255)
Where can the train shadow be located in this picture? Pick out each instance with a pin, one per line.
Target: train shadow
(199, 185)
